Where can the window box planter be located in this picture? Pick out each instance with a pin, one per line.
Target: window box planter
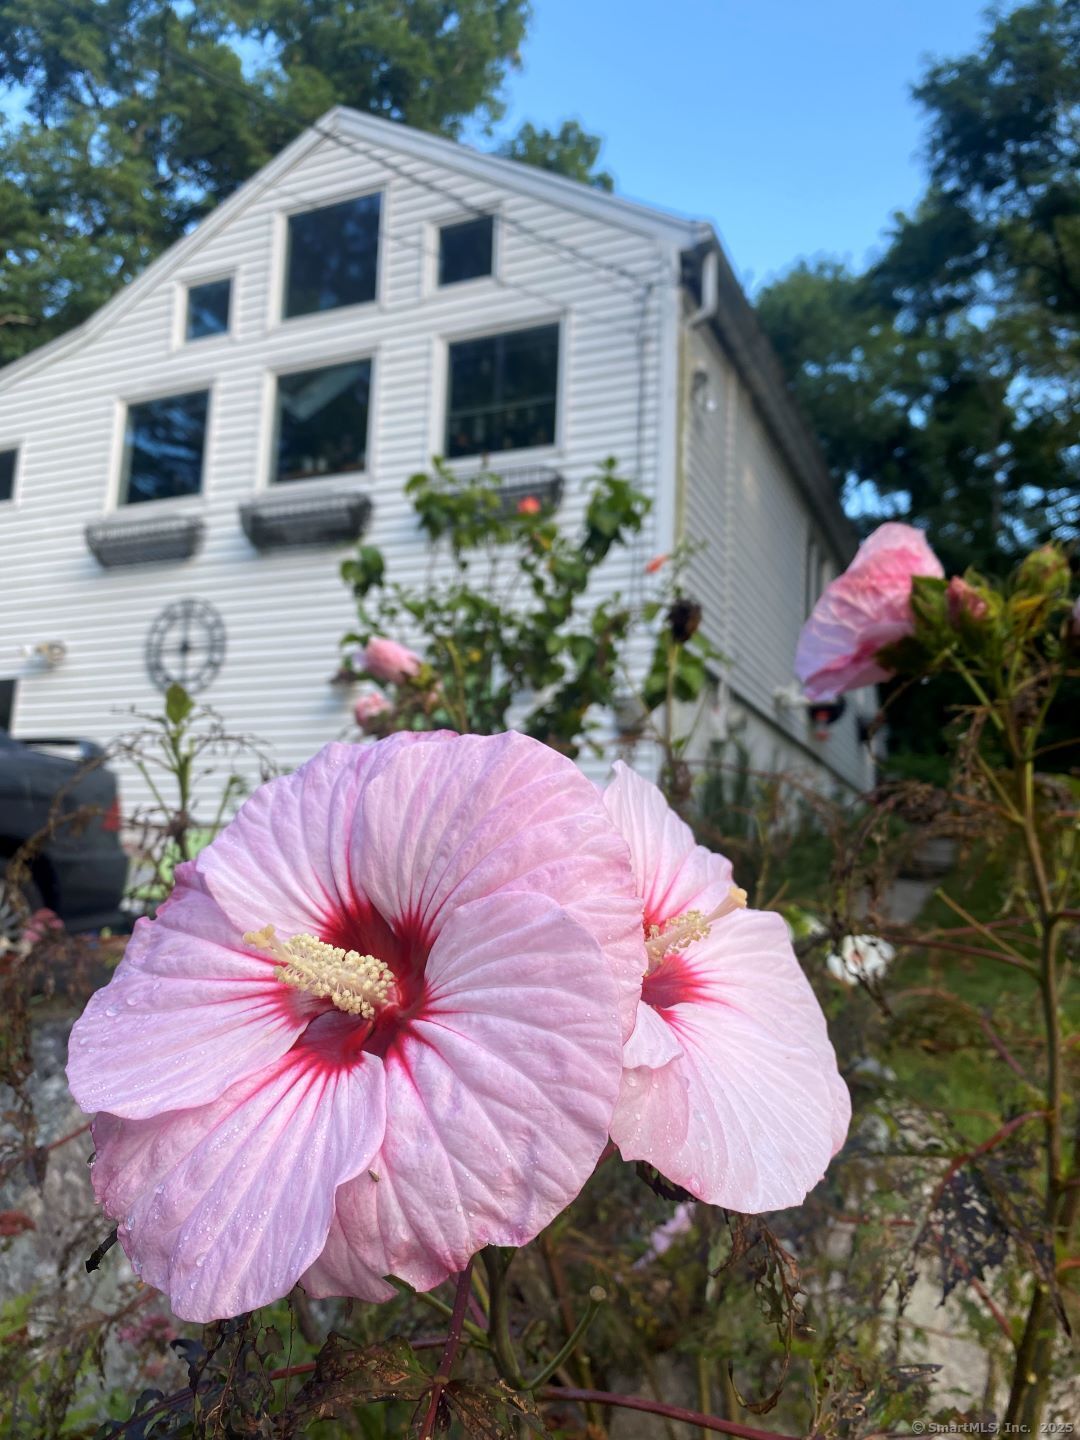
(281, 521)
(528, 482)
(143, 540)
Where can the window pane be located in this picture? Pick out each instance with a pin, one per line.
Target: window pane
(163, 448)
(503, 392)
(333, 256)
(7, 473)
(465, 250)
(7, 703)
(208, 309)
(322, 421)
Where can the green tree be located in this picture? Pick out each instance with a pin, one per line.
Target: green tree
(129, 121)
(569, 151)
(944, 380)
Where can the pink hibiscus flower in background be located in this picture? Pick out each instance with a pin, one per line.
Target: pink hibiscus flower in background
(370, 709)
(731, 1088)
(865, 609)
(389, 661)
(378, 1026)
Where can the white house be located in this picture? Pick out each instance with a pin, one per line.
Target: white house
(373, 297)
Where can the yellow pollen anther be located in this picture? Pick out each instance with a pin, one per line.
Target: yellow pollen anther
(684, 930)
(357, 984)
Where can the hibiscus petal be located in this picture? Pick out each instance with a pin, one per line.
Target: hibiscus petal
(765, 1112)
(499, 1097)
(189, 1011)
(286, 858)
(490, 813)
(653, 1042)
(671, 871)
(225, 1206)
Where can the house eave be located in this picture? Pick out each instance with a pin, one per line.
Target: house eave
(738, 330)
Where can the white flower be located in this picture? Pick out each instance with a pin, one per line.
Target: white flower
(861, 957)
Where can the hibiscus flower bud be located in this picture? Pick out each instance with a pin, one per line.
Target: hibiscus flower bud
(656, 563)
(965, 602)
(864, 611)
(528, 505)
(683, 619)
(388, 661)
(1044, 572)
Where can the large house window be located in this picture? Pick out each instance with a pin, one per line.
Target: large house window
(465, 250)
(333, 256)
(502, 392)
(208, 309)
(163, 448)
(322, 421)
(7, 474)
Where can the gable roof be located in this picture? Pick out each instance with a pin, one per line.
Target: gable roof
(356, 131)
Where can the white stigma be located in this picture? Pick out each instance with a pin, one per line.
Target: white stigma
(357, 984)
(683, 930)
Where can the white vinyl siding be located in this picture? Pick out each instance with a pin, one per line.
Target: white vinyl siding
(285, 611)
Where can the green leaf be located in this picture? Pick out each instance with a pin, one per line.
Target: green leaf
(178, 704)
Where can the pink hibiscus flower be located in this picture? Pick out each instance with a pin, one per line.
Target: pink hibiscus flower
(377, 1026)
(731, 1088)
(388, 660)
(865, 609)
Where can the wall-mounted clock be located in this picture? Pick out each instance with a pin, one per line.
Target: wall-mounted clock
(186, 645)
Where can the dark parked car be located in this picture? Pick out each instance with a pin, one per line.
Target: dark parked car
(79, 870)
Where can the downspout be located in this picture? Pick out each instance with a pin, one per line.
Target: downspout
(706, 311)
(710, 299)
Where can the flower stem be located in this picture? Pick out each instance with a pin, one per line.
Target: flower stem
(453, 1343)
(499, 1320)
(657, 1407)
(597, 1297)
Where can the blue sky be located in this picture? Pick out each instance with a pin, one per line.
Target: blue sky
(788, 123)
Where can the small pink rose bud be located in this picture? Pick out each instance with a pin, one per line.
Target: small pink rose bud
(528, 505)
(370, 708)
(388, 661)
(656, 563)
(963, 600)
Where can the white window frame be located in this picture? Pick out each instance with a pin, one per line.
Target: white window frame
(267, 482)
(116, 503)
(441, 386)
(279, 274)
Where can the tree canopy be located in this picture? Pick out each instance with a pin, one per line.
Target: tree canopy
(127, 120)
(569, 151)
(944, 379)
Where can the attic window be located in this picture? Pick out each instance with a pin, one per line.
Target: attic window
(7, 474)
(333, 256)
(503, 392)
(465, 250)
(163, 448)
(322, 421)
(208, 309)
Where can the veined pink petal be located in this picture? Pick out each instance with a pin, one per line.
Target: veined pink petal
(764, 1095)
(499, 1096)
(285, 860)
(189, 1011)
(652, 1044)
(225, 1206)
(863, 611)
(495, 813)
(672, 872)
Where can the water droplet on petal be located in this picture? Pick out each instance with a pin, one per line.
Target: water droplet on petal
(111, 1011)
